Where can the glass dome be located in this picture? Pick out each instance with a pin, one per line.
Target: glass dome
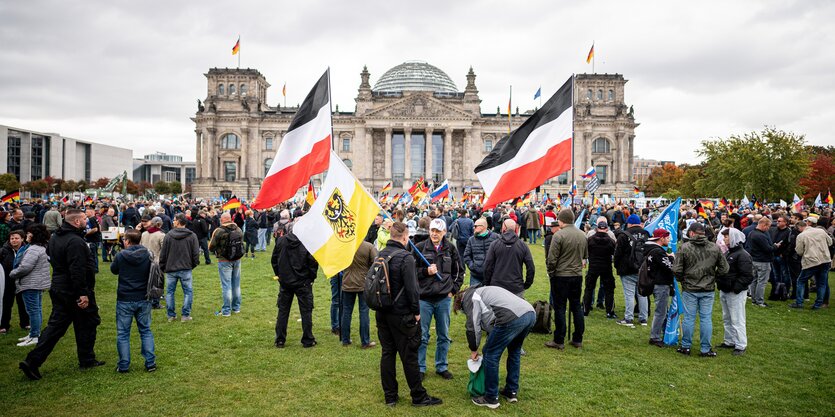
(415, 76)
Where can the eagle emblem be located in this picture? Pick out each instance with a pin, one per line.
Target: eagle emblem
(340, 217)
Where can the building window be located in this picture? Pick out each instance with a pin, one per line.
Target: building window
(601, 173)
(348, 163)
(13, 160)
(47, 144)
(398, 159)
(231, 89)
(346, 144)
(269, 144)
(488, 145)
(600, 94)
(230, 141)
(169, 176)
(190, 174)
(600, 145)
(562, 178)
(611, 95)
(229, 171)
(438, 158)
(268, 163)
(418, 155)
(220, 91)
(37, 157)
(588, 94)
(243, 89)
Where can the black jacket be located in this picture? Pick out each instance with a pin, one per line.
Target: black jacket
(623, 250)
(503, 266)
(180, 250)
(130, 218)
(547, 241)
(294, 266)
(476, 253)
(73, 266)
(402, 275)
(778, 235)
(740, 272)
(251, 233)
(132, 265)
(601, 250)
(659, 264)
(7, 258)
(449, 267)
(759, 243)
(200, 227)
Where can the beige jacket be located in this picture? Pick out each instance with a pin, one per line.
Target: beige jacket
(813, 245)
(153, 241)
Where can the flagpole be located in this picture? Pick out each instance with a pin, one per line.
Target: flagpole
(593, 58)
(573, 77)
(239, 51)
(509, 112)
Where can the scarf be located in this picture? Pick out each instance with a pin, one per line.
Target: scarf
(19, 255)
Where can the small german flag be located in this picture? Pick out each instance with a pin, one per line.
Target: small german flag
(700, 209)
(12, 197)
(386, 188)
(310, 198)
(829, 198)
(231, 203)
(237, 47)
(636, 190)
(591, 55)
(88, 200)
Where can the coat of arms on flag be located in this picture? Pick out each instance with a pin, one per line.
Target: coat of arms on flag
(341, 218)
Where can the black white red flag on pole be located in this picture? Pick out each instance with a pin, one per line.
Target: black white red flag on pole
(538, 150)
(304, 150)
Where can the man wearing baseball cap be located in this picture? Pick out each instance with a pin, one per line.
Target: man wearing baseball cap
(439, 282)
(629, 254)
(660, 269)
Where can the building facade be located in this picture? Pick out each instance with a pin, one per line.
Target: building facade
(163, 167)
(32, 155)
(643, 167)
(413, 123)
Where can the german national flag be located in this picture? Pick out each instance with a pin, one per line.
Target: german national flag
(88, 200)
(237, 47)
(310, 198)
(707, 204)
(386, 188)
(636, 190)
(12, 197)
(700, 210)
(231, 203)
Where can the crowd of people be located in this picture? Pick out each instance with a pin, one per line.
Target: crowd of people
(428, 251)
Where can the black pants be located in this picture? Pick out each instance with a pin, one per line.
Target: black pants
(566, 290)
(461, 245)
(204, 246)
(399, 335)
(9, 299)
(65, 312)
(304, 295)
(607, 286)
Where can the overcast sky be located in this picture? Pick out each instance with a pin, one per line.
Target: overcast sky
(129, 73)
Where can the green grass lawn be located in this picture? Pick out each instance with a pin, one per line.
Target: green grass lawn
(215, 366)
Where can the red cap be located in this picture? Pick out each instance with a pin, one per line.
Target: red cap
(659, 233)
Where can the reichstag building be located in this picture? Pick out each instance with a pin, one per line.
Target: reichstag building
(413, 122)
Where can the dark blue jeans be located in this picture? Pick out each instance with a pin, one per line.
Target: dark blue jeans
(509, 336)
(336, 295)
(348, 311)
(821, 275)
(780, 267)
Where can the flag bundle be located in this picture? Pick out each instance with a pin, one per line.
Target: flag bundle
(231, 204)
(538, 150)
(304, 150)
(12, 197)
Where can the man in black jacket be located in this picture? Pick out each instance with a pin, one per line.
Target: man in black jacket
(200, 227)
(439, 282)
(476, 252)
(762, 252)
(296, 270)
(179, 255)
(397, 327)
(601, 250)
(660, 269)
(505, 258)
(72, 294)
(780, 234)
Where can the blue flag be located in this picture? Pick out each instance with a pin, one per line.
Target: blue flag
(538, 93)
(579, 221)
(671, 328)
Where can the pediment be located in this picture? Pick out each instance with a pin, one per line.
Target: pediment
(418, 106)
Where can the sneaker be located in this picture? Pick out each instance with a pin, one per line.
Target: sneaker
(643, 322)
(738, 352)
(369, 345)
(310, 345)
(279, 345)
(683, 351)
(30, 371)
(29, 342)
(236, 311)
(346, 344)
(172, 319)
(727, 346)
(578, 345)
(23, 339)
(392, 402)
(656, 343)
(708, 354)
(764, 305)
(817, 307)
(554, 345)
(428, 401)
(600, 306)
(484, 402)
(91, 365)
(625, 323)
(611, 316)
(795, 305)
(151, 368)
(185, 318)
(336, 331)
(445, 374)
(121, 371)
(509, 395)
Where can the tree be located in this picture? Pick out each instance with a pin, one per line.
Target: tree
(39, 186)
(101, 182)
(174, 187)
(9, 183)
(143, 186)
(769, 164)
(662, 179)
(132, 188)
(162, 187)
(69, 186)
(821, 177)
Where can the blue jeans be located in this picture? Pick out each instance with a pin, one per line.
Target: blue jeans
(475, 279)
(439, 309)
(821, 275)
(532, 233)
(230, 285)
(126, 311)
(262, 240)
(780, 267)
(700, 303)
(630, 290)
(348, 311)
(510, 336)
(171, 279)
(336, 304)
(32, 300)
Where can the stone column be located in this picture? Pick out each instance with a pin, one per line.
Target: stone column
(369, 153)
(211, 153)
(198, 159)
(242, 170)
(429, 152)
(407, 172)
(387, 162)
(447, 153)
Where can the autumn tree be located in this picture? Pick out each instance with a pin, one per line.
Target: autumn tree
(162, 187)
(663, 179)
(821, 177)
(9, 183)
(101, 182)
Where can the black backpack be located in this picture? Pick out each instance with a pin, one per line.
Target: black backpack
(645, 285)
(156, 280)
(377, 291)
(543, 317)
(234, 248)
(637, 242)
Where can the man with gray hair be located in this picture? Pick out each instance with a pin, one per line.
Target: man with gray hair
(180, 254)
(505, 258)
(475, 252)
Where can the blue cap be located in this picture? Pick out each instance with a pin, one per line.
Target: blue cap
(633, 219)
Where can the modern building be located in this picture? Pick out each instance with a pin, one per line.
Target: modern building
(413, 123)
(643, 167)
(163, 167)
(32, 155)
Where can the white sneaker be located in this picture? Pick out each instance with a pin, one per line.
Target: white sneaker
(30, 342)
(24, 338)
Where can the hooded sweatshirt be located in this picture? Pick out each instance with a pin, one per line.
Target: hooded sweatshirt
(503, 265)
(180, 250)
(698, 262)
(132, 265)
(292, 263)
(740, 266)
